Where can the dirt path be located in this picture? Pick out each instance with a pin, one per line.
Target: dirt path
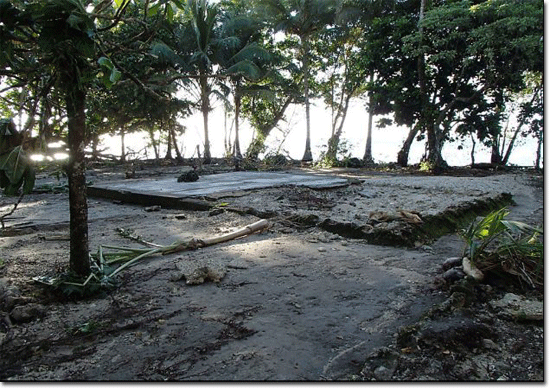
(293, 303)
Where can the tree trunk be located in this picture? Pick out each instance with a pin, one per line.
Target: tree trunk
(44, 127)
(539, 151)
(334, 140)
(205, 107)
(169, 146)
(122, 144)
(496, 159)
(473, 152)
(237, 145)
(367, 157)
(520, 125)
(154, 143)
(403, 154)
(95, 145)
(79, 259)
(305, 47)
(179, 157)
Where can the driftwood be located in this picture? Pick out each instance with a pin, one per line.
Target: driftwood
(198, 243)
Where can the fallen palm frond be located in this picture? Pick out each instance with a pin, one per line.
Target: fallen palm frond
(494, 244)
(109, 261)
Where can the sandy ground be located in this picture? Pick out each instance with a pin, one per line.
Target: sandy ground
(294, 302)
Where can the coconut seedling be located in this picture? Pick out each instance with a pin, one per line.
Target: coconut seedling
(495, 244)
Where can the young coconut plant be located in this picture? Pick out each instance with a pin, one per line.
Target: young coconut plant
(495, 244)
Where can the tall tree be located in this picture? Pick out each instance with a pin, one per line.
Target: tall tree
(346, 76)
(245, 61)
(60, 38)
(304, 19)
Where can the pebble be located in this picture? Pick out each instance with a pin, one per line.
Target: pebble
(322, 249)
(27, 313)
(382, 373)
(453, 274)
(489, 344)
(451, 262)
(153, 208)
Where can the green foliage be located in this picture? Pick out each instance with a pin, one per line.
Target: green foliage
(496, 244)
(342, 157)
(426, 166)
(110, 74)
(16, 171)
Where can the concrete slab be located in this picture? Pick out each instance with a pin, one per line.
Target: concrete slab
(213, 185)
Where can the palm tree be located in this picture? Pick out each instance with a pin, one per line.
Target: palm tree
(303, 18)
(244, 60)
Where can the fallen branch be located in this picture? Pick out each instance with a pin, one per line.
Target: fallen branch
(198, 243)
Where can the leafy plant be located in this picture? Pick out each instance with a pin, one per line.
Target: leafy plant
(496, 244)
(15, 167)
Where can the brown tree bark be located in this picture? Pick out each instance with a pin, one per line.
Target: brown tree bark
(79, 259)
(205, 107)
(237, 145)
(403, 154)
(367, 157)
(305, 47)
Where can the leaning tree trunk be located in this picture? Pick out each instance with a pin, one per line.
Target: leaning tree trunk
(403, 154)
(307, 153)
(79, 259)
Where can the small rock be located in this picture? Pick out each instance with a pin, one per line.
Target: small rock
(216, 211)
(153, 208)
(381, 373)
(181, 216)
(322, 249)
(489, 344)
(451, 262)
(386, 362)
(471, 269)
(27, 313)
(512, 305)
(190, 176)
(453, 274)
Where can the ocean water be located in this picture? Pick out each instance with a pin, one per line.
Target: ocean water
(290, 138)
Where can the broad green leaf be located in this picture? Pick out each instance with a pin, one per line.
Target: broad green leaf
(153, 10)
(115, 75)
(14, 164)
(105, 62)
